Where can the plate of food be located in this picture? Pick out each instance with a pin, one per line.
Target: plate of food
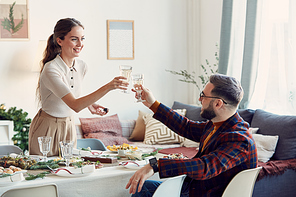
(11, 175)
(74, 171)
(124, 146)
(72, 160)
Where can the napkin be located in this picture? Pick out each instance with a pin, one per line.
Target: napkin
(135, 163)
(82, 153)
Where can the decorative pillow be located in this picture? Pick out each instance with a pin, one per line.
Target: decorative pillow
(107, 139)
(140, 127)
(107, 129)
(283, 126)
(158, 133)
(109, 123)
(127, 127)
(253, 130)
(266, 145)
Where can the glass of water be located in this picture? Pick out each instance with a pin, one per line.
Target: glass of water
(125, 71)
(138, 80)
(44, 145)
(66, 150)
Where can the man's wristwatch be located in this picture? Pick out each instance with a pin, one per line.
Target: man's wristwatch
(154, 164)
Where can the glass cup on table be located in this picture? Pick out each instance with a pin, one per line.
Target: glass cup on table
(125, 71)
(44, 146)
(66, 150)
(138, 80)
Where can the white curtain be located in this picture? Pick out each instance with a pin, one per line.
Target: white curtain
(262, 52)
(275, 85)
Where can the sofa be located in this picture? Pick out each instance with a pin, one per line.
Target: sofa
(274, 135)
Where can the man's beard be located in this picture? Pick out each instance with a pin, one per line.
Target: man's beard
(209, 112)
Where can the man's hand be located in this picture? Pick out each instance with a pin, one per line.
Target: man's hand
(98, 109)
(146, 95)
(139, 177)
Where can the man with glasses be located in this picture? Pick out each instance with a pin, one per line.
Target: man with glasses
(226, 146)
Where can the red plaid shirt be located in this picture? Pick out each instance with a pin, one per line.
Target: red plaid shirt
(230, 150)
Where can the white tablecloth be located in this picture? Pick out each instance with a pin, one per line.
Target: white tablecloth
(105, 182)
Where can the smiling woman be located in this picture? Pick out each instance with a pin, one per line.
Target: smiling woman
(59, 87)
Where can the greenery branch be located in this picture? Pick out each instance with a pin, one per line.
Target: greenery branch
(207, 71)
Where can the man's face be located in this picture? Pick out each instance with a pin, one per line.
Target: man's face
(208, 113)
(207, 109)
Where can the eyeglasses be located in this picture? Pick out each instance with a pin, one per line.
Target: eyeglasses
(202, 94)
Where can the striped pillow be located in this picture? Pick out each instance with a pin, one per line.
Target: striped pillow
(158, 133)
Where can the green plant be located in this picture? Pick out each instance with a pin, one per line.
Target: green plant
(207, 71)
(8, 23)
(21, 125)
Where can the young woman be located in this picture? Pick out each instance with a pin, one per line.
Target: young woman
(59, 87)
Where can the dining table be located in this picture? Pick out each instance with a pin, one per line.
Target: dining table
(108, 181)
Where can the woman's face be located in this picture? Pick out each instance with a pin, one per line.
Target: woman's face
(73, 43)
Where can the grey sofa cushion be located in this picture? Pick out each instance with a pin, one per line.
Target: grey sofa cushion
(283, 126)
(192, 111)
(246, 114)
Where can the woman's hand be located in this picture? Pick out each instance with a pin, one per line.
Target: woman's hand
(98, 109)
(139, 177)
(118, 83)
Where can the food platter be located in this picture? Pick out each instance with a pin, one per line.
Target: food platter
(124, 146)
(12, 179)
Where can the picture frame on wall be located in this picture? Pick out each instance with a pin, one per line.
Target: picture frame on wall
(120, 39)
(14, 20)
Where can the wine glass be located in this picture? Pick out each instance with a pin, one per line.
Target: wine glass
(125, 71)
(44, 145)
(66, 150)
(138, 80)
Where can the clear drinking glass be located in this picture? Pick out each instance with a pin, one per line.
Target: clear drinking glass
(44, 145)
(66, 150)
(125, 71)
(138, 80)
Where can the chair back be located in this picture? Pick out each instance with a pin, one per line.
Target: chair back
(170, 187)
(242, 184)
(7, 149)
(94, 144)
(48, 190)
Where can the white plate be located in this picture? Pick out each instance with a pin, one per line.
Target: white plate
(76, 172)
(132, 165)
(15, 178)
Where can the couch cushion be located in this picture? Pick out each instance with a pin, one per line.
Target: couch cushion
(158, 133)
(107, 129)
(138, 133)
(192, 111)
(283, 126)
(246, 114)
(266, 145)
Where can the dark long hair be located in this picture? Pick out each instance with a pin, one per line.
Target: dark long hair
(61, 29)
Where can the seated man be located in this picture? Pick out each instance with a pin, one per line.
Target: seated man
(226, 146)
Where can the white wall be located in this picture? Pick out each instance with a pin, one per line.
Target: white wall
(160, 43)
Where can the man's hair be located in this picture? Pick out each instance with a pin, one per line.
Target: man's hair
(228, 88)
